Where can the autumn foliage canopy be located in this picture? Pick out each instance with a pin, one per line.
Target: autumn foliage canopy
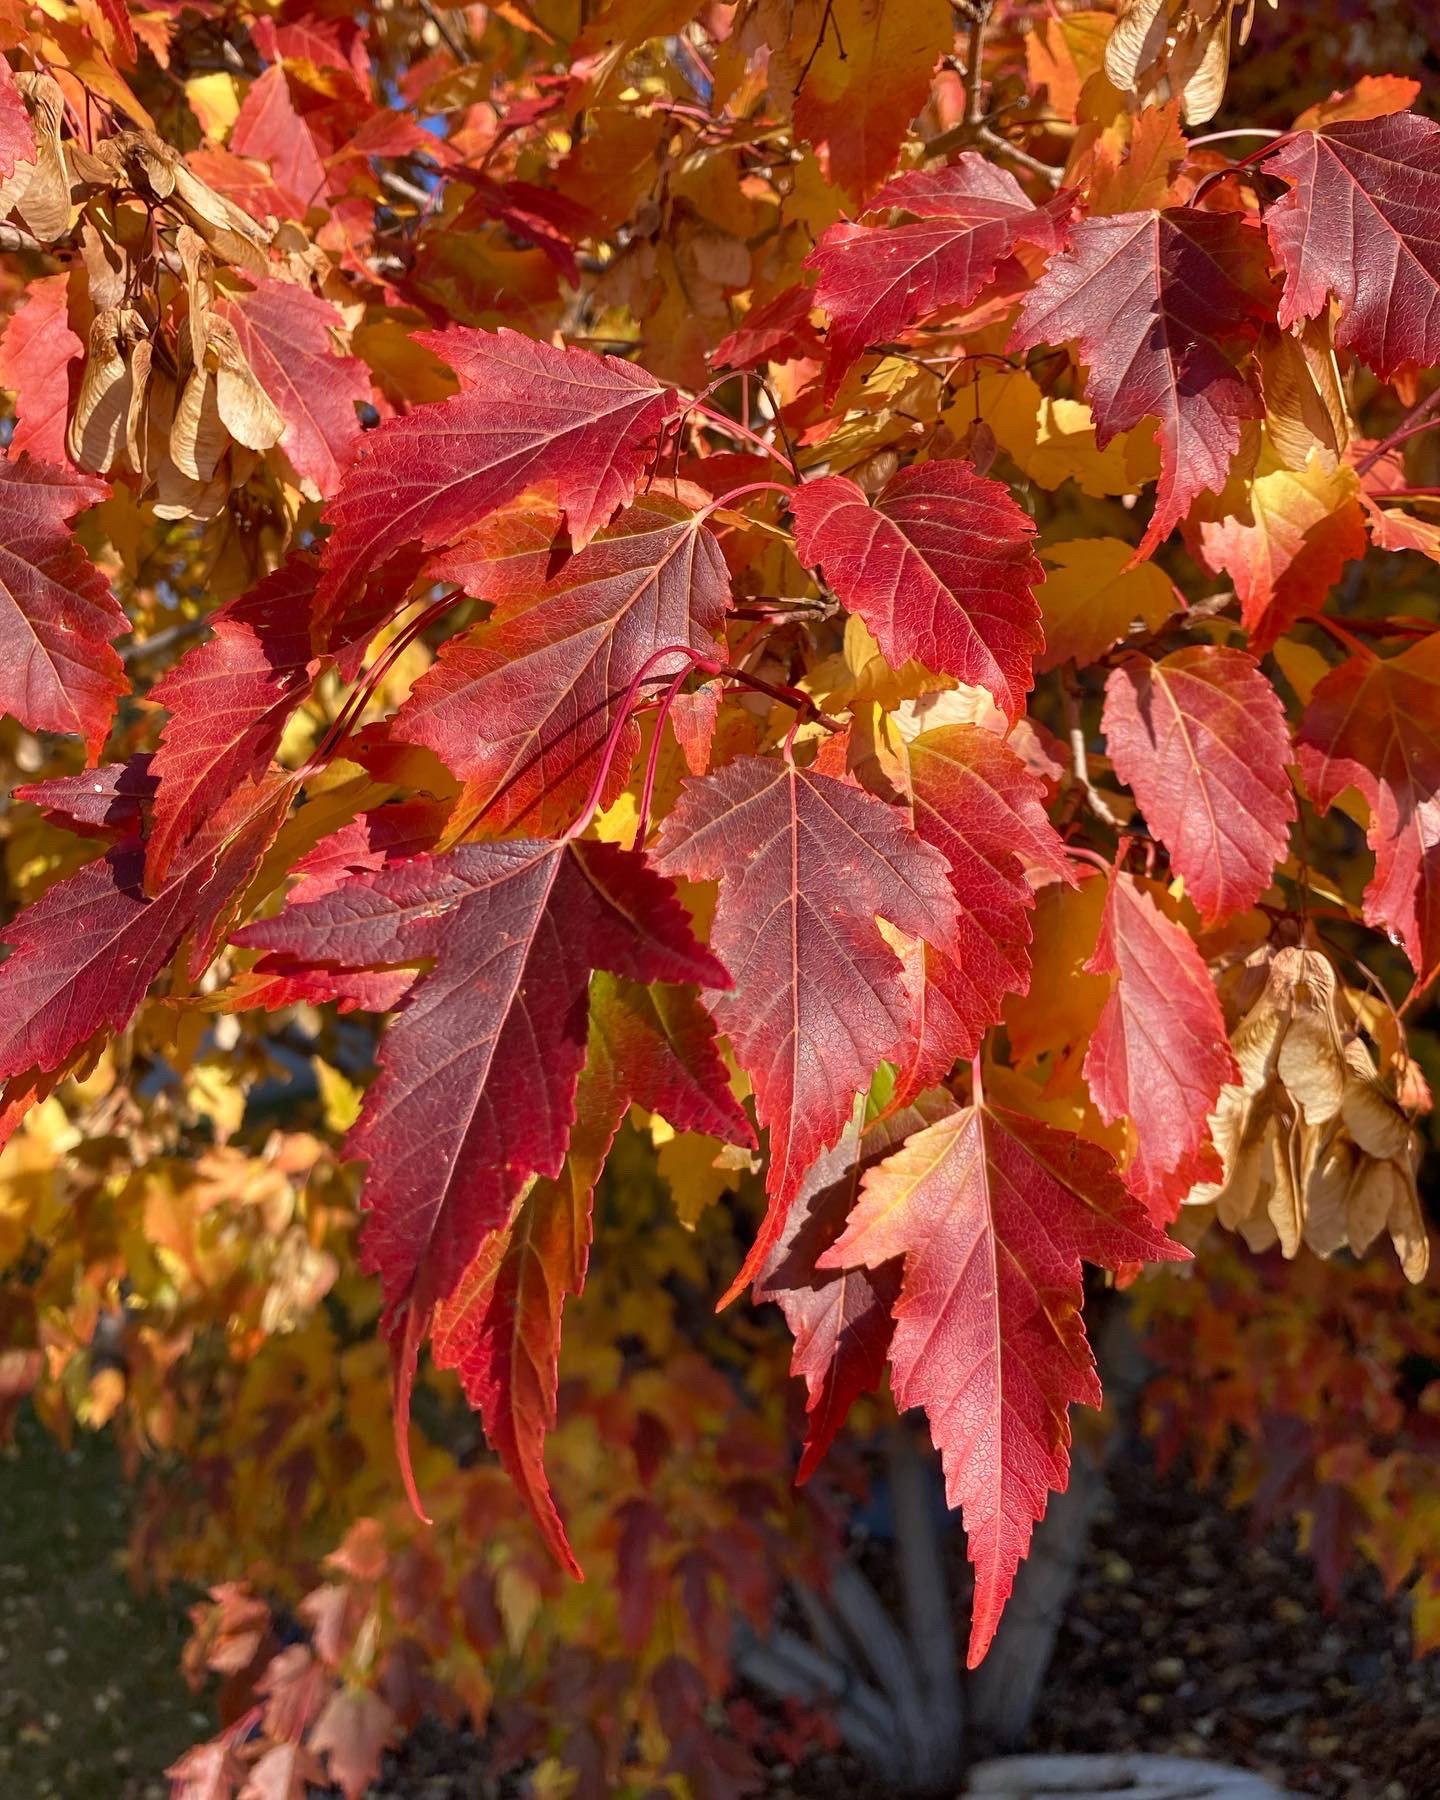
(831, 595)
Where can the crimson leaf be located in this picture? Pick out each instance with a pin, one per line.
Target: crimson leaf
(513, 931)
(1374, 724)
(521, 707)
(977, 804)
(229, 701)
(1358, 224)
(57, 614)
(84, 954)
(1159, 1054)
(1157, 303)
(839, 1318)
(528, 416)
(876, 281)
(1201, 738)
(501, 1327)
(939, 567)
(805, 863)
(993, 1212)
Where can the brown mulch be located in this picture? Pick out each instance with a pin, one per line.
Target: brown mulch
(1186, 1635)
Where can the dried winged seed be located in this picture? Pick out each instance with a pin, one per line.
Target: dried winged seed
(231, 234)
(155, 412)
(1310, 1063)
(150, 162)
(136, 435)
(40, 191)
(1296, 1150)
(1374, 1191)
(1330, 1200)
(1406, 1222)
(212, 210)
(1227, 1131)
(198, 438)
(1204, 88)
(1247, 1190)
(1185, 41)
(1136, 42)
(1257, 1231)
(247, 411)
(1304, 407)
(1371, 1117)
(96, 432)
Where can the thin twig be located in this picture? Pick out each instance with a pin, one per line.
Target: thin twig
(1240, 131)
(15, 237)
(452, 43)
(827, 20)
(804, 705)
(1415, 421)
(1002, 145)
(974, 61)
(1079, 756)
(138, 649)
(406, 190)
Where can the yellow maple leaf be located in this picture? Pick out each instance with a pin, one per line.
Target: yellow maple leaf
(1052, 440)
(1092, 595)
(1055, 1019)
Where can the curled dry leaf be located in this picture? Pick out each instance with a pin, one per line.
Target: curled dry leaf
(1305, 414)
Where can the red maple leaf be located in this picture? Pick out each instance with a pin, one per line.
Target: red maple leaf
(1159, 1054)
(876, 281)
(1374, 724)
(17, 135)
(1358, 224)
(229, 701)
(528, 416)
(35, 357)
(83, 955)
(57, 614)
(270, 128)
(500, 1328)
(522, 707)
(939, 567)
(287, 336)
(805, 863)
(774, 332)
(284, 1772)
(106, 802)
(1284, 558)
(351, 1733)
(977, 804)
(512, 931)
(993, 1213)
(1155, 302)
(1201, 738)
(840, 1318)
(211, 1771)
